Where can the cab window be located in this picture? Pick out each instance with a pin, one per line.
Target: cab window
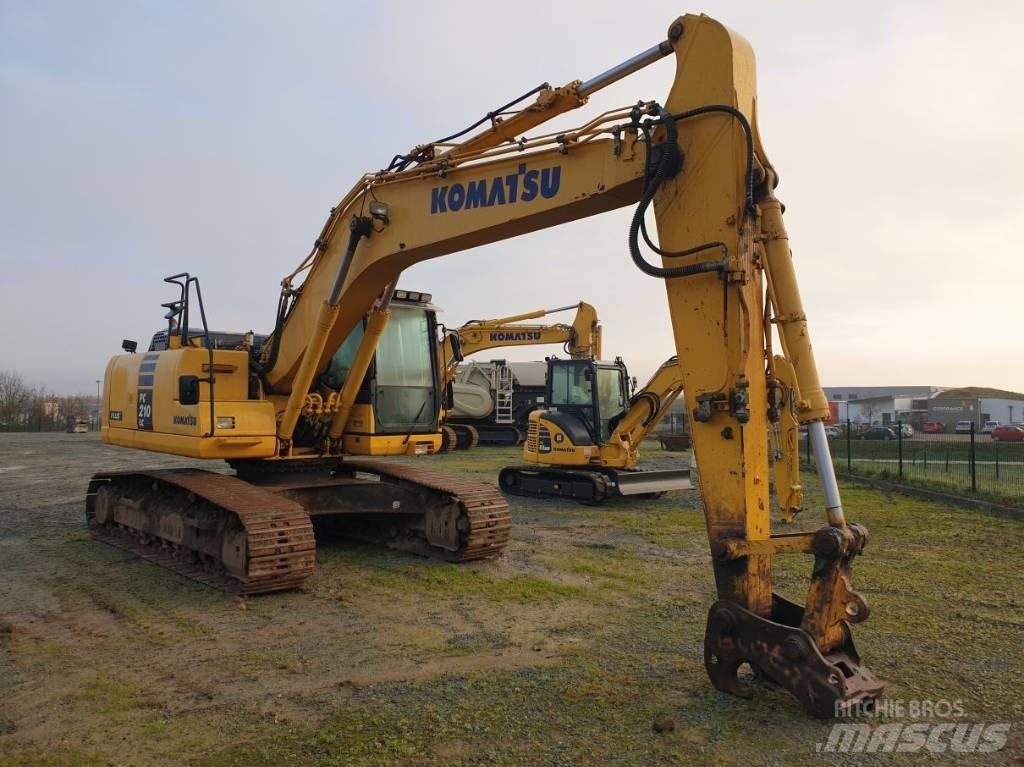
(611, 399)
(572, 385)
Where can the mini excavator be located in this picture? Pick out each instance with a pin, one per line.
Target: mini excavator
(296, 442)
(581, 340)
(586, 444)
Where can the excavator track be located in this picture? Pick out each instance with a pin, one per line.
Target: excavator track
(467, 437)
(454, 519)
(591, 486)
(449, 439)
(210, 527)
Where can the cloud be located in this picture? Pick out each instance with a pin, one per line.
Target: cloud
(145, 140)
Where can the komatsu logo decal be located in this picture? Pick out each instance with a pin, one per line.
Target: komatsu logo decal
(522, 186)
(524, 335)
(185, 420)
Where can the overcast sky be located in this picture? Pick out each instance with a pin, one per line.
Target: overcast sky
(142, 139)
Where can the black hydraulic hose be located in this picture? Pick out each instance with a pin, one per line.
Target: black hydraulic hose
(402, 161)
(747, 132)
(667, 167)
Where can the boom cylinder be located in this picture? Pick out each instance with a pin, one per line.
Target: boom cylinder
(626, 68)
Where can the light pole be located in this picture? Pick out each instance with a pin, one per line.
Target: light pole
(98, 398)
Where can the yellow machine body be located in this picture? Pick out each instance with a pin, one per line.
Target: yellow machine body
(142, 407)
(696, 158)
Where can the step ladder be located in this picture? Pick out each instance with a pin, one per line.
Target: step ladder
(502, 384)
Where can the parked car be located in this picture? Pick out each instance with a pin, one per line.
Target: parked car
(963, 427)
(833, 432)
(989, 426)
(933, 427)
(1008, 434)
(878, 432)
(906, 428)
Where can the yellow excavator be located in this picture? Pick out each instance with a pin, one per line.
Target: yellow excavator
(697, 159)
(586, 444)
(495, 406)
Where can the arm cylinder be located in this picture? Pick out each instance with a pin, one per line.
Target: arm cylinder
(790, 317)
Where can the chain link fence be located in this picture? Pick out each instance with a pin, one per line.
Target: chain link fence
(969, 462)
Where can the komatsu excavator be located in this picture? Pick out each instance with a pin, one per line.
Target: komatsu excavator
(586, 444)
(581, 340)
(697, 158)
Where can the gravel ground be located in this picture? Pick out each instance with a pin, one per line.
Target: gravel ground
(564, 651)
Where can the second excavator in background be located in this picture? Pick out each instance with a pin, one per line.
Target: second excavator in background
(484, 402)
(585, 444)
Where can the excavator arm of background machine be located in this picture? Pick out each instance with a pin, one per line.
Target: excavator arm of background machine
(646, 409)
(698, 160)
(581, 339)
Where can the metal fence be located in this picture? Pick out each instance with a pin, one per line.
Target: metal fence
(969, 462)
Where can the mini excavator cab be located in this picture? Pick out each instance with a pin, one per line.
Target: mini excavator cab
(590, 391)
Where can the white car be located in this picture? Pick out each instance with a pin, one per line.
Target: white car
(989, 426)
(833, 432)
(962, 427)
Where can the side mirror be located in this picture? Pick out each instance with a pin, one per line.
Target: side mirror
(188, 390)
(129, 346)
(449, 396)
(457, 347)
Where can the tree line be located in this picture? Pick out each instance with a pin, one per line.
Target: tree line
(36, 408)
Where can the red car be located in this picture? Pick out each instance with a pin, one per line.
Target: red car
(1008, 434)
(933, 428)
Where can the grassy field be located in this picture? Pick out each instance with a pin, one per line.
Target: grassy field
(941, 462)
(562, 652)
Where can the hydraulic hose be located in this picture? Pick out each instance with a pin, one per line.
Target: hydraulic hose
(668, 165)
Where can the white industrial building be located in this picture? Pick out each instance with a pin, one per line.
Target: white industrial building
(880, 405)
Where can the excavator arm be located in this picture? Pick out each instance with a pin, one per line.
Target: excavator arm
(646, 409)
(581, 339)
(698, 161)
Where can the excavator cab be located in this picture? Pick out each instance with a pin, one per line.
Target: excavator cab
(591, 392)
(400, 393)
